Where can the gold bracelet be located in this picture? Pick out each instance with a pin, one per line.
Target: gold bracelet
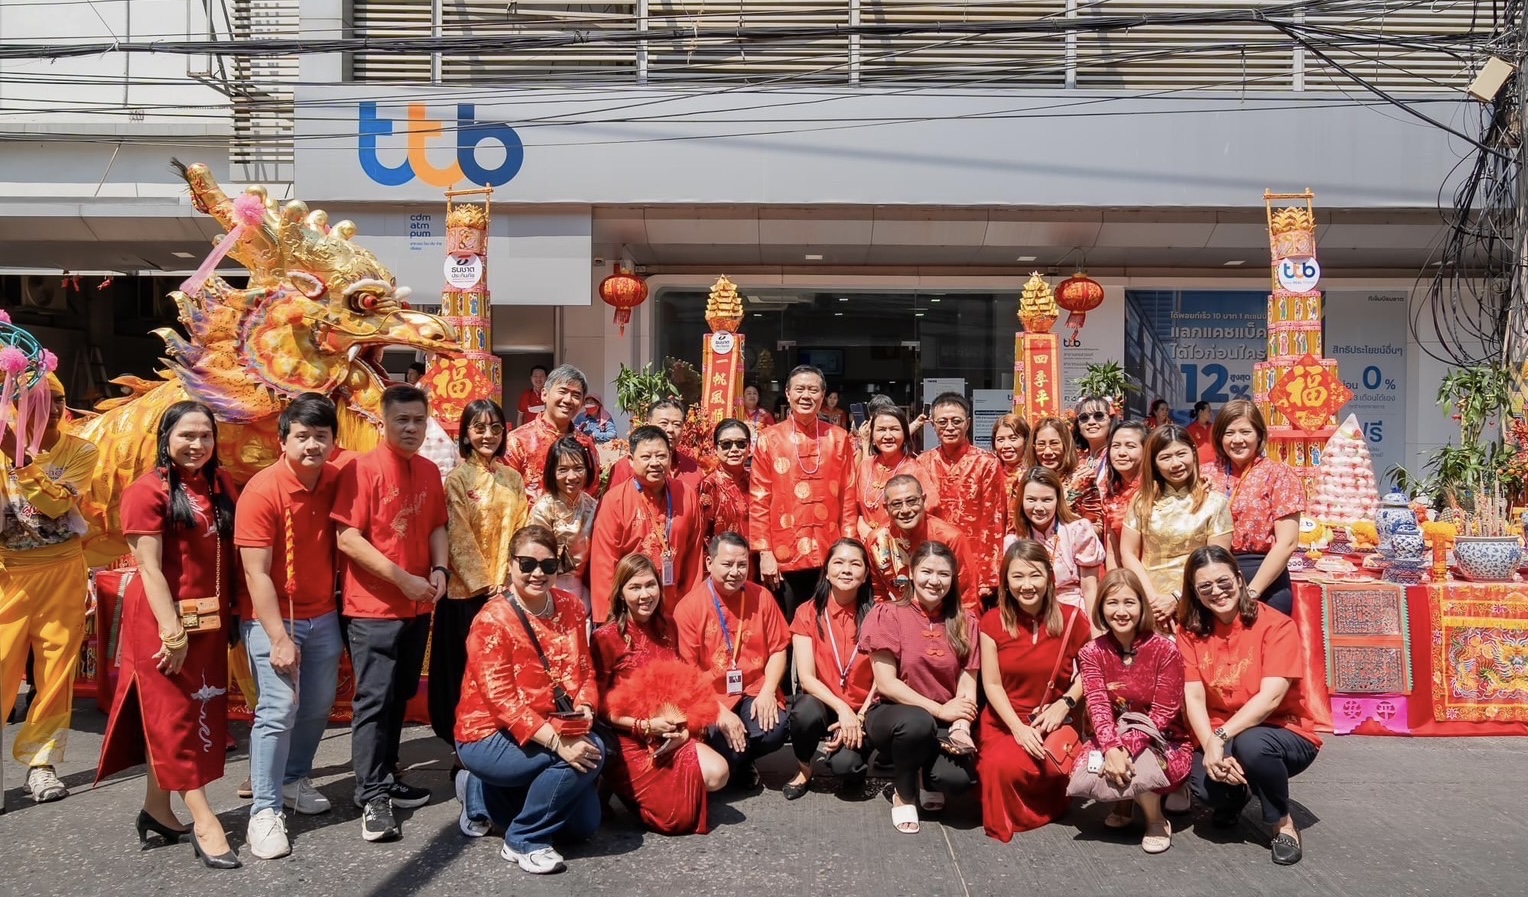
(555, 745)
(175, 642)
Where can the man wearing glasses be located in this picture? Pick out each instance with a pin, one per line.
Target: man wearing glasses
(802, 492)
(971, 490)
(892, 546)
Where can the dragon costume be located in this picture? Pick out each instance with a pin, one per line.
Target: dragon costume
(315, 317)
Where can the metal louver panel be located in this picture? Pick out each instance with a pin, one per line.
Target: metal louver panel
(391, 18)
(711, 53)
(261, 92)
(596, 62)
(1000, 59)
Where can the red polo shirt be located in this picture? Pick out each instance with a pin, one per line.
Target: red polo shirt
(261, 521)
(395, 502)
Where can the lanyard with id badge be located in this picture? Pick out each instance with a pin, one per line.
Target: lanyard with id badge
(668, 533)
(734, 674)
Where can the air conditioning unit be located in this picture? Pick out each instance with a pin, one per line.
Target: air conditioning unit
(43, 293)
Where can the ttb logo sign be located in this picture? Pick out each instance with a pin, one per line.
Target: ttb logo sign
(419, 129)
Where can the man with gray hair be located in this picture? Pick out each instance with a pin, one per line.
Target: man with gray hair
(525, 448)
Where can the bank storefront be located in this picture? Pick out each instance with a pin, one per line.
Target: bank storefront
(893, 255)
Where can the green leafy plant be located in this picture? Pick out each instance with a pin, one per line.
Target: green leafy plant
(636, 389)
(1478, 398)
(1106, 379)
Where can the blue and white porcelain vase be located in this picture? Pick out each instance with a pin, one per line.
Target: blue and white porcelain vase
(1488, 558)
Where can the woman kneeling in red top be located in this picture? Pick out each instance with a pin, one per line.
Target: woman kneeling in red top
(1242, 696)
(924, 656)
(1132, 669)
(523, 724)
(657, 704)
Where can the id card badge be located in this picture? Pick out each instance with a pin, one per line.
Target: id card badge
(668, 569)
(1095, 762)
(734, 682)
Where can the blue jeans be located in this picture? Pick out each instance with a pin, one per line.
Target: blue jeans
(534, 794)
(290, 721)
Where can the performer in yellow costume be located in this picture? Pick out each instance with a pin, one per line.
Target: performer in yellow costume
(42, 588)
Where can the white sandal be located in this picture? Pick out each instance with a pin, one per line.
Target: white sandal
(905, 819)
(931, 801)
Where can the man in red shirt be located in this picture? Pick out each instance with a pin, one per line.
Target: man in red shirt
(972, 494)
(668, 416)
(391, 513)
(732, 630)
(531, 403)
(290, 621)
(525, 448)
(891, 547)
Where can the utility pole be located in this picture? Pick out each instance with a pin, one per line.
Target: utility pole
(1515, 338)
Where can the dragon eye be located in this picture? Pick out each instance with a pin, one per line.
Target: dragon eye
(366, 302)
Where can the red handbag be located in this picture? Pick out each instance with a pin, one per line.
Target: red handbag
(1063, 746)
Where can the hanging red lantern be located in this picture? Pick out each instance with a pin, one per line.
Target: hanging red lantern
(623, 291)
(1079, 294)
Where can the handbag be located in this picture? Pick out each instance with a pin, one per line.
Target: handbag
(560, 698)
(1150, 771)
(1062, 746)
(205, 614)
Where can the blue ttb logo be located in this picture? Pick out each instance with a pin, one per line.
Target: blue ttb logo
(419, 130)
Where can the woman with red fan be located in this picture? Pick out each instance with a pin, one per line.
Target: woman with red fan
(654, 702)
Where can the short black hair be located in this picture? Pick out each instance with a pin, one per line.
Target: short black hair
(475, 409)
(669, 402)
(725, 424)
(648, 433)
(725, 538)
(417, 367)
(800, 369)
(539, 367)
(403, 394)
(951, 398)
(566, 447)
(311, 409)
(1201, 405)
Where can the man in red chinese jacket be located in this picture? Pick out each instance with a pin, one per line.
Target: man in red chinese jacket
(971, 488)
(802, 492)
(891, 547)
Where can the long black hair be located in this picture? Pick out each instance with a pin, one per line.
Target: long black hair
(864, 599)
(566, 447)
(182, 512)
(956, 631)
(475, 409)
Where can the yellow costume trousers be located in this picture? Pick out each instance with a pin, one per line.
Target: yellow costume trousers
(42, 608)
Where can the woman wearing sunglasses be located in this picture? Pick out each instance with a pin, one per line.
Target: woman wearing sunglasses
(724, 491)
(523, 728)
(1092, 419)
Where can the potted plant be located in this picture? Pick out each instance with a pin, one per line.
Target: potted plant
(1108, 380)
(1478, 398)
(637, 389)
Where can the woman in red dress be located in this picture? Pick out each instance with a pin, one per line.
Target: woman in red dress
(724, 491)
(171, 709)
(1021, 640)
(888, 456)
(1132, 669)
(1010, 434)
(658, 770)
(1126, 450)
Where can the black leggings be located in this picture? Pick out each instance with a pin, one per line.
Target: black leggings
(809, 722)
(1270, 756)
(1280, 594)
(448, 661)
(910, 737)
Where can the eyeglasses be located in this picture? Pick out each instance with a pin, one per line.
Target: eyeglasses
(1206, 589)
(527, 565)
(946, 423)
(1087, 416)
(494, 429)
(728, 445)
(906, 504)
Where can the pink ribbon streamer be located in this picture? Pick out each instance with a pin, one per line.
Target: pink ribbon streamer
(248, 211)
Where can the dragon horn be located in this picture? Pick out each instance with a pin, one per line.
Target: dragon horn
(206, 195)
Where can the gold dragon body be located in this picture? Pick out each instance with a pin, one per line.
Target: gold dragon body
(315, 317)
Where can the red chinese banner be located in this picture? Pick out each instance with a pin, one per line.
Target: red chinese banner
(1310, 393)
(721, 376)
(1036, 375)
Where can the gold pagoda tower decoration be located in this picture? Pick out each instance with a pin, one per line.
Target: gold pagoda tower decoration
(1297, 387)
(1037, 353)
(722, 351)
(453, 382)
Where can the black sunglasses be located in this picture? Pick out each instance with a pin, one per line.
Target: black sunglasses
(1093, 415)
(729, 444)
(547, 565)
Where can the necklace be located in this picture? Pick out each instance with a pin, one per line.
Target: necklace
(816, 444)
(878, 486)
(548, 607)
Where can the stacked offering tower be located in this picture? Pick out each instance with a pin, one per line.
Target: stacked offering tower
(454, 381)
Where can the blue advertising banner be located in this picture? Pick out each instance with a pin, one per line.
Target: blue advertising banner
(1366, 333)
(1188, 346)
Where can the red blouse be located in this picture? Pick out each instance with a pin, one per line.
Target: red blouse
(724, 503)
(1265, 492)
(1151, 683)
(1082, 493)
(505, 687)
(1025, 660)
(835, 650)
(1116, 505)
(921, 648)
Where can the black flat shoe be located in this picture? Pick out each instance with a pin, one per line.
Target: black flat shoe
(795, 790)
(1286, 849)
(229, 860)
(147, 823)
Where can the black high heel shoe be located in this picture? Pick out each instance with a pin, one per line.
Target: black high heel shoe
(229, 860)
(147, 823)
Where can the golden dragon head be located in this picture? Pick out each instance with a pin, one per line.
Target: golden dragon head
(316, 316)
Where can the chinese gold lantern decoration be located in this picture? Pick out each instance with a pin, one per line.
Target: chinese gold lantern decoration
(623, 291)
(1037, 353)
(455, 380)
(1079, 294)
(722, 351)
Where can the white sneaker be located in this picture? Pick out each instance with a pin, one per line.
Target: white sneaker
(267, 837)
(544, 861)
(472, 828)
(304, 798)
(44, 786)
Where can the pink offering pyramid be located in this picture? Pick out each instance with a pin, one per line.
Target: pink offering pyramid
(1345, 490)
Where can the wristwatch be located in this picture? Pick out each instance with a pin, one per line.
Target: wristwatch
(1221, 734)
(1252, 592)
(1070, 704)
(446, 573)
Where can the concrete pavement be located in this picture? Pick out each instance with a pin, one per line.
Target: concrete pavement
(1382, 816)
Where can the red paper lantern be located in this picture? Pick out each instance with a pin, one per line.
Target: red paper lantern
(1079, 294)
(623, 291)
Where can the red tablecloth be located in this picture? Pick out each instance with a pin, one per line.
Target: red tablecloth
(1428, 613)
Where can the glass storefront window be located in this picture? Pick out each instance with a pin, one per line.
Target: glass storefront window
(865, 343)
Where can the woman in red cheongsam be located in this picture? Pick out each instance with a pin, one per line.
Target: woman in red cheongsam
(171, 708)
(659, 770)
(724, 491)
